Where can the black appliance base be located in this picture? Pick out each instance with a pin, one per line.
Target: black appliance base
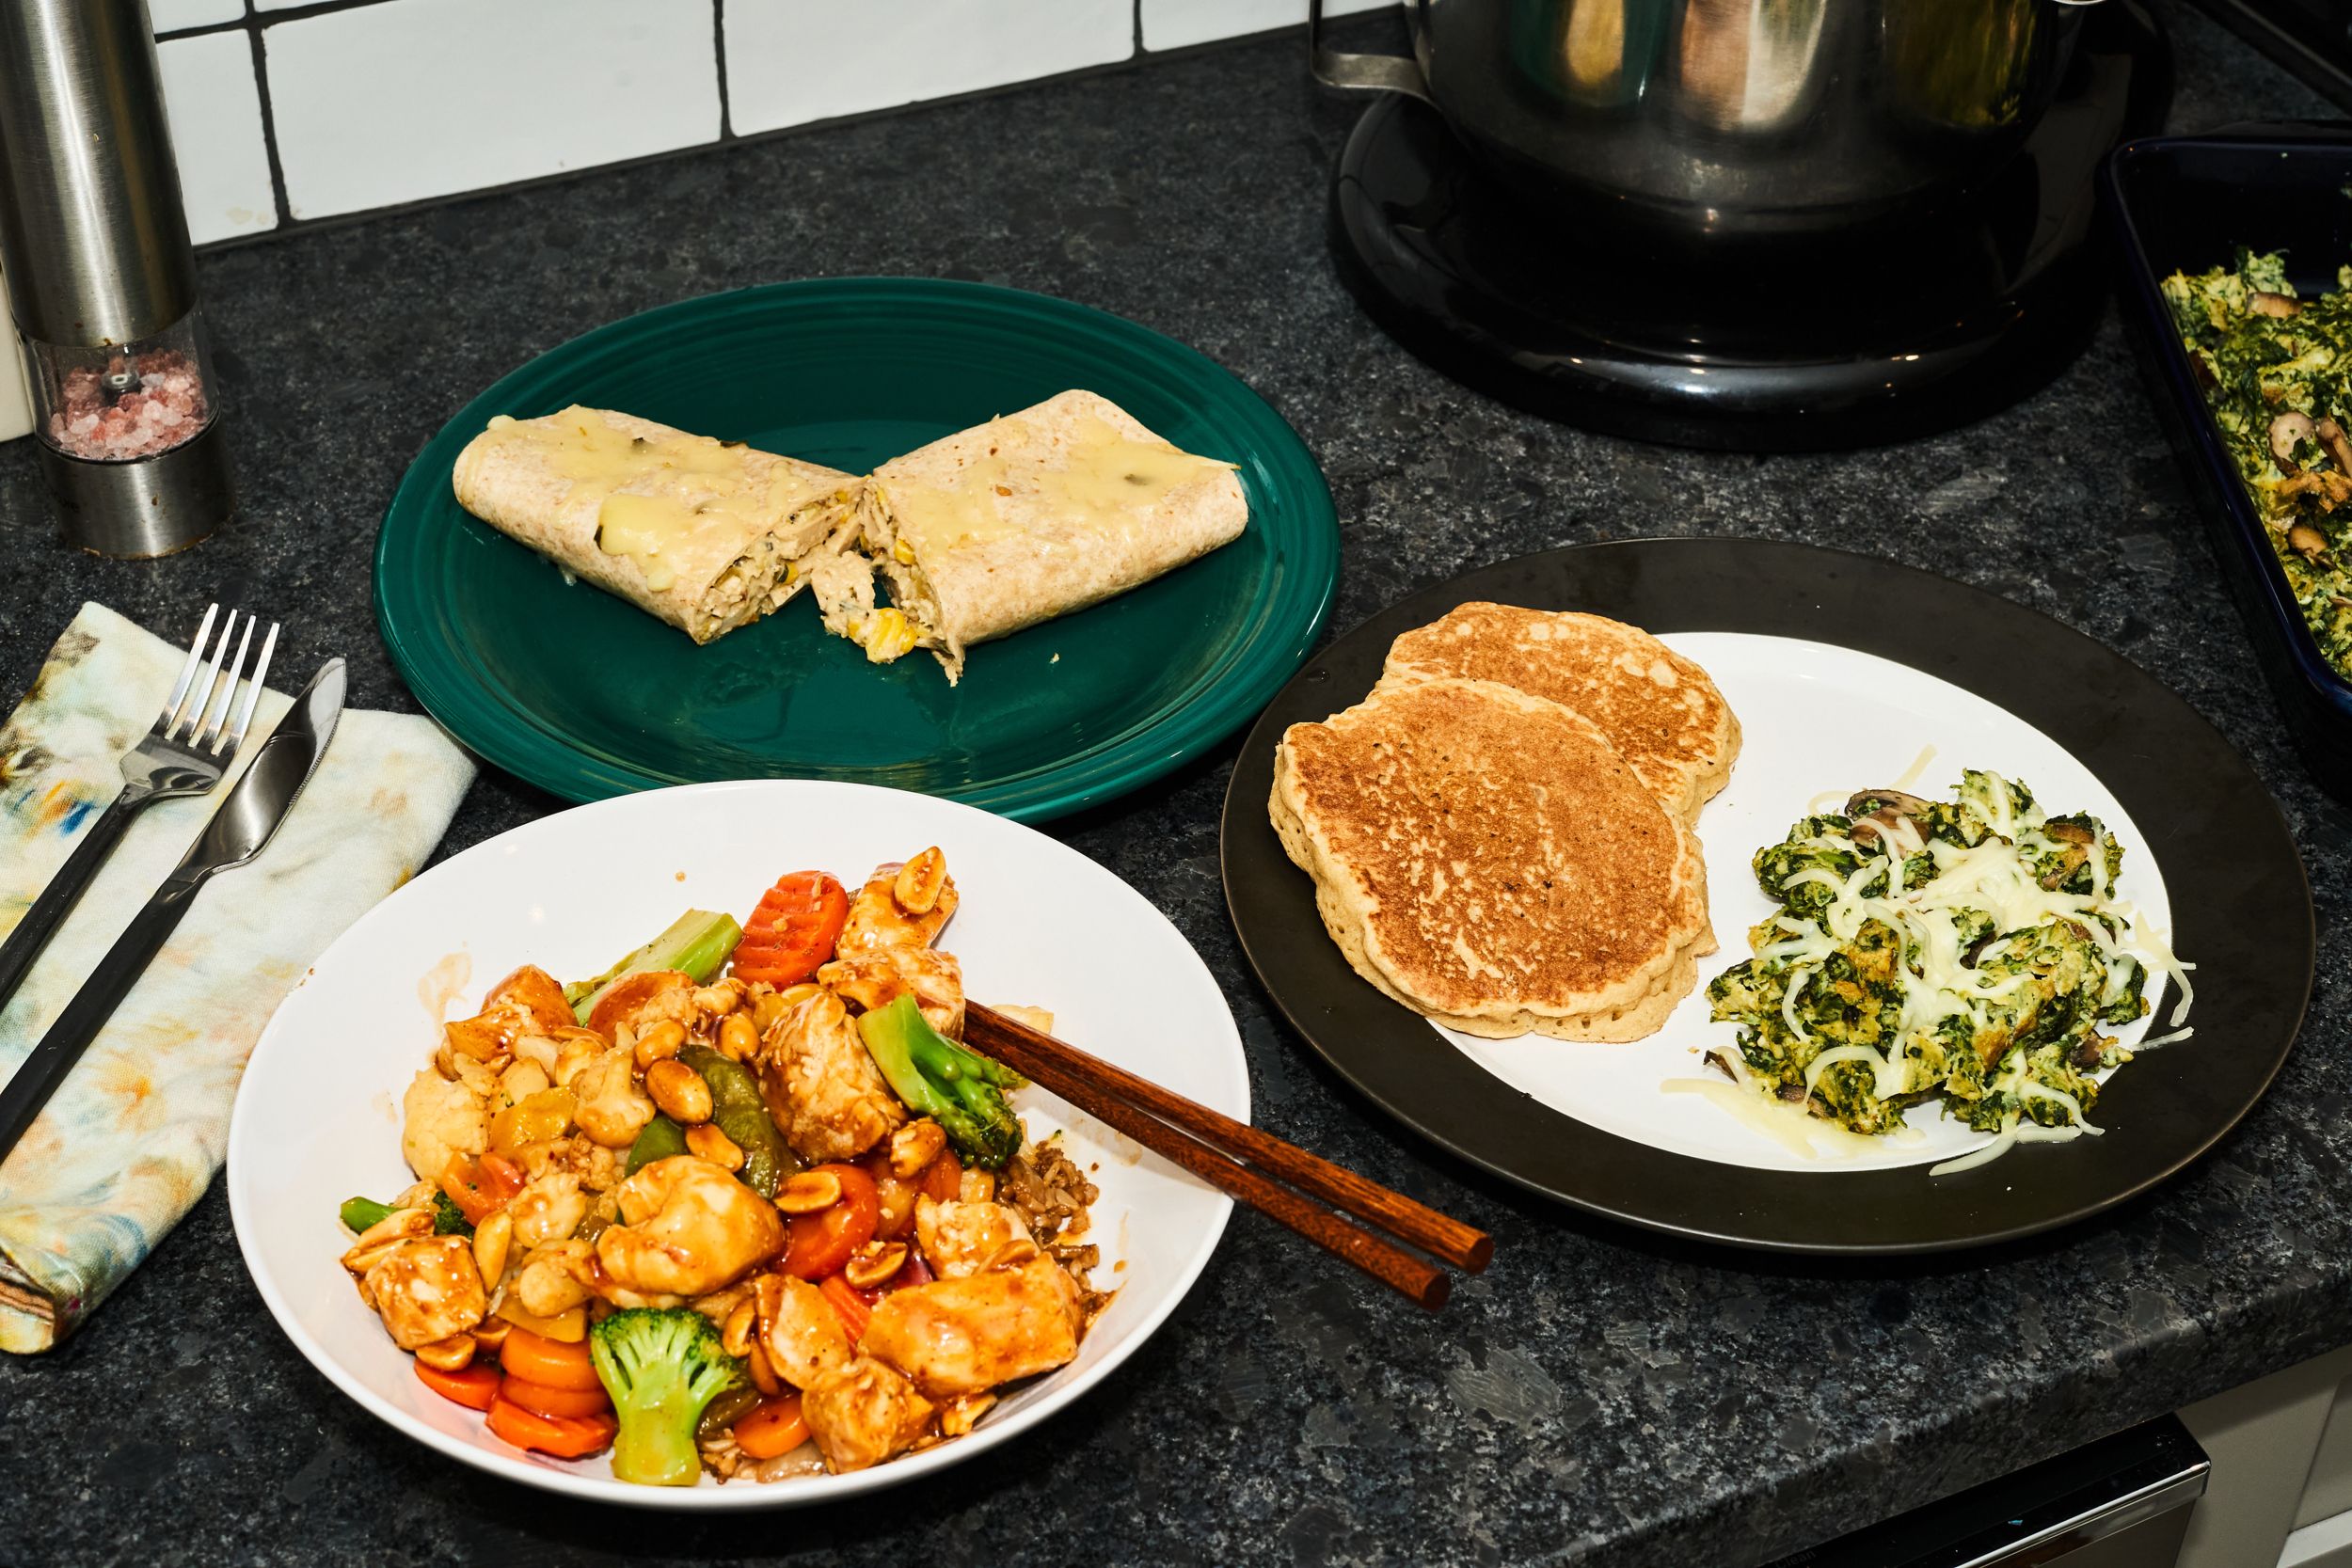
(1876, 337)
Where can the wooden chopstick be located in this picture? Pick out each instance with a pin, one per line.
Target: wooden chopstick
(1213, 1145)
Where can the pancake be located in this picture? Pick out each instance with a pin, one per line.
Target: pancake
(1031, 515)
(704, 534)
(1658, 709)
(1485, 857)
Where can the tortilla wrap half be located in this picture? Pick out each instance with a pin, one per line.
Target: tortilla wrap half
(704, 534)
(1031, 515)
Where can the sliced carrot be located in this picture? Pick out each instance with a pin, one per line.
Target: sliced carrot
(822, 1242)
(540, 1400)
(848, 1304)
(774, 1427)
(474, 1387)
(564, 1436)
(794, 928)
(461, 1179)
(548, 1363)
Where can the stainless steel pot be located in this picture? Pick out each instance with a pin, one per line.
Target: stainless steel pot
(1729, 119)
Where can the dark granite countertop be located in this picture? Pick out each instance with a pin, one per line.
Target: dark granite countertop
(1600, 1397)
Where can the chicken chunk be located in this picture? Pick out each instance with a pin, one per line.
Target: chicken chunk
(427, 1288)
(960, 1238)
(548, 1209)
(528, 1001)
(549, 1283)
(686, 1228)
(878, 920)
(801, 1331)
(863, 1414)
(611, 1109)
(822, 1088)
(956, 1337)
(439, 1118)
(643, 1000)
(874, 980)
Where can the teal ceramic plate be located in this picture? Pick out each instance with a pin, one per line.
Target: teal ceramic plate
(588, 697)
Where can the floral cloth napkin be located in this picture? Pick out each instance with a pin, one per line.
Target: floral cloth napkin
(135, 1133)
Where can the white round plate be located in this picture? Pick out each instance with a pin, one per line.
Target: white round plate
(317, 1118)
(1896, 728)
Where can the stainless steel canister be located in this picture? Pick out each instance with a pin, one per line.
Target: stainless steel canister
(101, 280)
(1699, 119)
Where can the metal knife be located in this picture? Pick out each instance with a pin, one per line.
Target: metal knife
(237, 833)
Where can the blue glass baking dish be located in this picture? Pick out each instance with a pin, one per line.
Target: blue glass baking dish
(2186, 204)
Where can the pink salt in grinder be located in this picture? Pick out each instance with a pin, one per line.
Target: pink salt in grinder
(102, 280)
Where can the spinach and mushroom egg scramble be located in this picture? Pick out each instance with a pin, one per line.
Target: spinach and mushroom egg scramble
(2278, 376)
(1970, 950)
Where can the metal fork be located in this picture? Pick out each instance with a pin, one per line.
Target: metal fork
(191, 744)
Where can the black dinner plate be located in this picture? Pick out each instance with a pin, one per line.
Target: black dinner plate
(2241, 904)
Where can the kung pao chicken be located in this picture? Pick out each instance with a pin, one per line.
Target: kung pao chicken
(744, 1203)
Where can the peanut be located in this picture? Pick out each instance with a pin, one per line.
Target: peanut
(452, 1355)
(738, 1037)
(875, 1263)
(736, 1338)
(679, 1090)
(914, 1147)
(919, 881)
(706, 1142)
(492, 1239)
(763, 1375)
(809, 1192)
(659, 1043)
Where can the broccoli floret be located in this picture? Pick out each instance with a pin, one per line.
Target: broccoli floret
(448, 1219)
(955, 1086)
(663, 1367)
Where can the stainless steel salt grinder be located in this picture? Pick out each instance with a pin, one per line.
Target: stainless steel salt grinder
(102, 280)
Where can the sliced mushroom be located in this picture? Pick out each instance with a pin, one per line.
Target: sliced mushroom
(2332, 436)
(2263, 303)
(2285, 431)
(2306, 541)
(1882, 808)
(1976, 949)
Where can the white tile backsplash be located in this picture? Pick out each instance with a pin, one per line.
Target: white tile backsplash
(408, 99)
(1174, 23)
(170, 16)
(792, 61)
(215, 112)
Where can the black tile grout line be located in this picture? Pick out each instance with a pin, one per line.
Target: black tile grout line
(719, 54)
(729, 137)
(254, 17)
(269, 131)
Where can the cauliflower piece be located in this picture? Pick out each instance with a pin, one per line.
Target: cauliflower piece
(548, 1209)
(549, 1283)
(687, 1228)
(427, 1288)
(440, 1118)
(612, 1108)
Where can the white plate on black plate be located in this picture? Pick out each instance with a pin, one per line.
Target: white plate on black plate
(317, 1118)
(1846, 674)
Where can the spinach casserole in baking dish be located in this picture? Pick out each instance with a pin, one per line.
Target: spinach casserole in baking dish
(1968, 951)
(2279, 380)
